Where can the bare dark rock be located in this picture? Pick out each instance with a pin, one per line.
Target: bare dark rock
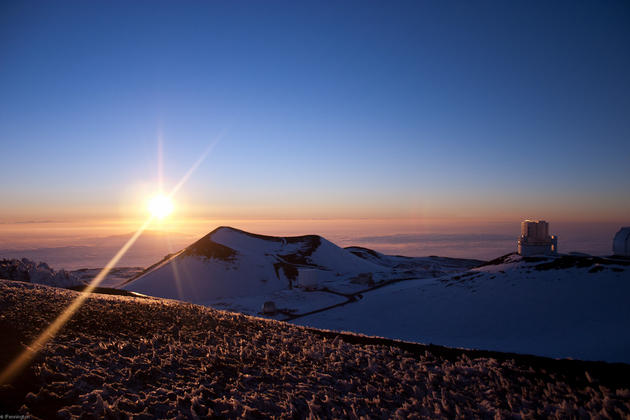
(206, 247)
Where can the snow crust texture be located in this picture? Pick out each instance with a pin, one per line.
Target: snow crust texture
(33, 272)
(122, 357)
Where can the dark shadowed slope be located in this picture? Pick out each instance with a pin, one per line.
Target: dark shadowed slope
(122, 356)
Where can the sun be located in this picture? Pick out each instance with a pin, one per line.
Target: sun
(160, 206)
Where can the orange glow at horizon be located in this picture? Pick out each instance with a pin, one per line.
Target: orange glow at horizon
(160, 206)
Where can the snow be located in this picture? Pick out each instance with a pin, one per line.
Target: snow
(342, 261)
(196, 280)
(571, 312)
(288, 302)
(33, 272)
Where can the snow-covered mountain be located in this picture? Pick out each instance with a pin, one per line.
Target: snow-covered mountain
(238, 270)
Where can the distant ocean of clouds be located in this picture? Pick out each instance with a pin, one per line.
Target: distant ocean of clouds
(481, 246)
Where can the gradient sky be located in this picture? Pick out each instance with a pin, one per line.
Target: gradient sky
(487, 110)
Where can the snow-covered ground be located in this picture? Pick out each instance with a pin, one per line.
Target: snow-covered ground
(559, 307)
(123, 357)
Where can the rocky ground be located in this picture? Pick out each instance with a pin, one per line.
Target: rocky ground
(144, 358)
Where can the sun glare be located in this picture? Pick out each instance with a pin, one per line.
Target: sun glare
(160, 206)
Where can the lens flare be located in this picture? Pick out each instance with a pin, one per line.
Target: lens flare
(159, 206)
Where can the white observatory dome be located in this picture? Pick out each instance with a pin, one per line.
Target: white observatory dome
(621, 243)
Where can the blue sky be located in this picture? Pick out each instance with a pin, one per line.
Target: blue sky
(328, 109)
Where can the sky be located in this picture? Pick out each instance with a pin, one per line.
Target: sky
(418, 113)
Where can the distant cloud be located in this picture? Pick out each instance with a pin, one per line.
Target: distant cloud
(29, 222)
(403, 238)
(464, 245)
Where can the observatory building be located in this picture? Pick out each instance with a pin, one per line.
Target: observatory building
(621, 243)
(535, 239)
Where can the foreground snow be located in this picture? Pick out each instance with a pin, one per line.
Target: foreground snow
(558, 307)
(147, 358)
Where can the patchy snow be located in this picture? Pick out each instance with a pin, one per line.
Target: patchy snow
(123, 357)
(514, 305)
(34, 272)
